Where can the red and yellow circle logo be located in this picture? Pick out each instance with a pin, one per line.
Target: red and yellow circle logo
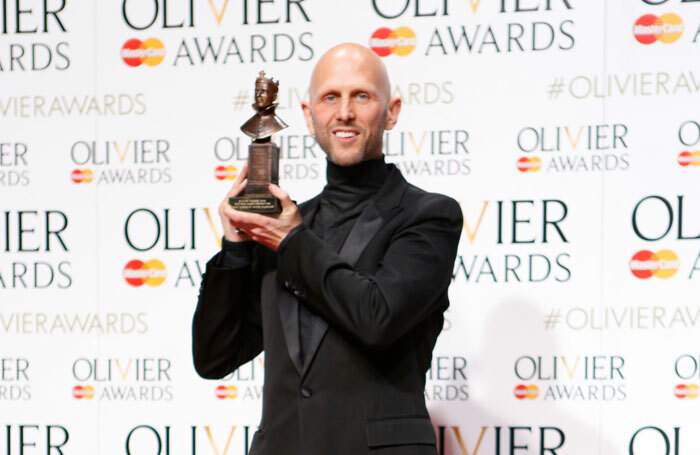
(136, 52)
(400, 41)
(666, 28)
(689, 158)
(690, 391)
(662, 264)
(225, 172)
(526, 164)
(530, 391)
(152, 273)
(226, 392)
(82, 176)
(83, 392)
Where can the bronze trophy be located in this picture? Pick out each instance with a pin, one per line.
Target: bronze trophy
(263, 154)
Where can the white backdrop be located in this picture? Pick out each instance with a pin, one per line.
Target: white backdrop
(567, 129)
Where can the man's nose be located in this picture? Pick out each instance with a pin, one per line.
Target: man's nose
(345, 112)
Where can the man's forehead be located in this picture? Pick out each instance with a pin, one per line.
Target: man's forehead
(339, 78)
(339, 73)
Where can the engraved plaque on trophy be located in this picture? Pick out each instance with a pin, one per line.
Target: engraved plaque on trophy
(263, 154)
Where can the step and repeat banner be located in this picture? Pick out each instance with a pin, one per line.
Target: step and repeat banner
(568, 130)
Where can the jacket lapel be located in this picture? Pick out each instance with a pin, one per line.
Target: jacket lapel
(288, 305)
(363, 231)
(379, 210)
(289, 314)
(318, 331)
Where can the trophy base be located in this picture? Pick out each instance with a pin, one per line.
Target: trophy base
(256, 204)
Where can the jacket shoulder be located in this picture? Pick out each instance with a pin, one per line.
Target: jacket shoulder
(431, 204)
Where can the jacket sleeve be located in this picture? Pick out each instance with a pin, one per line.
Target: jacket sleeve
(409, 284)
(227, 327)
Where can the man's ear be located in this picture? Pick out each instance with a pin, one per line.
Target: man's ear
(392, 113)
(307, 116)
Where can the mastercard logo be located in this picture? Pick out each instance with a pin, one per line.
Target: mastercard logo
(666, 28)
(83, 392)
(662, 264)
(136, 52)
(690, 391)
(385, 41)
(523, 391)
(226, 392)
(689, 158)
(225, 172)
(525, 164)
(152, 273)
(82, 176)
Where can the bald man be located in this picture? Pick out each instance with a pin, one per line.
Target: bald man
(345, 293)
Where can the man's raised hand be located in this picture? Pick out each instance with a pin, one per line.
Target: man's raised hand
(268, 230)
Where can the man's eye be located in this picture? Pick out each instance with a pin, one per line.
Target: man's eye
(329, 98)
(362, 96)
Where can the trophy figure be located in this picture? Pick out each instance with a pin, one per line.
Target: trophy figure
(263, 154)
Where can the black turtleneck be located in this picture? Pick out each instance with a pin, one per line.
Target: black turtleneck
(347, 193)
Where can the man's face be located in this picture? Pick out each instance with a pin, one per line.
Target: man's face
(348, 111)
(263, 95)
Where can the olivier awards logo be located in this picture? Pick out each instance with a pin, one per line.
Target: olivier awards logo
(15, 381)
(36, 36)
(446, 379)
(686, 370)
(46, 235)
(244, 384)
(570, 378)
(14, 168)
(493, 227)
(283, 35)
(554, 29)
(134, 379)
(121, 162)
(654, 218)
(573, 148)
(689, 136)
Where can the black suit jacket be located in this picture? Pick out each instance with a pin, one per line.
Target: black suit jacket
(378, 309)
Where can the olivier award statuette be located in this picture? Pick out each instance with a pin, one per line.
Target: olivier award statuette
(263, 154)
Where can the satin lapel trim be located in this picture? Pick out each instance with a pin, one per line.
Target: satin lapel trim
(289, 315)
(318, 331)
(364, 230)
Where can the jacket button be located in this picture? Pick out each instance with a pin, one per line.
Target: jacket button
(298, 293)
(305, 392)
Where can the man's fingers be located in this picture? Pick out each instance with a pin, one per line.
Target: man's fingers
(245, 220)
(282, 195)
(236, 189)
(240, 179)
